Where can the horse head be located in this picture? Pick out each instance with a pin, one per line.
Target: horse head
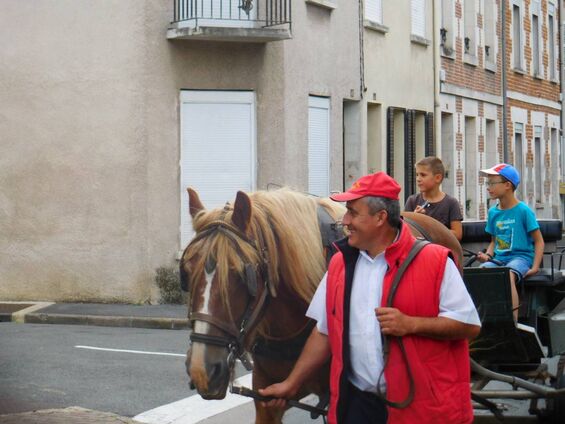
(224, 269)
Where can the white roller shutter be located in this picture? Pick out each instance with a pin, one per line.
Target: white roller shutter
(319, 146)
(217, 148)
(418, 10)
(374, 11)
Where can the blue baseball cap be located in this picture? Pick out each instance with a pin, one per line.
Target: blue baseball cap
(504, 170)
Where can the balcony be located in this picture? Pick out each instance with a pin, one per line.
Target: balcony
(253, 21)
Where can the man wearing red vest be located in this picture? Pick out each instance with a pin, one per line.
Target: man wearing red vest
(423, 376)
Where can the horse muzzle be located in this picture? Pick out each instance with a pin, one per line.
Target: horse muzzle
(210, 378)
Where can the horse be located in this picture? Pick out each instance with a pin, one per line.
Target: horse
(251, 270)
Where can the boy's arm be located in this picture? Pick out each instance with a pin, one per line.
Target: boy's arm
(539, 246)
(456, 228)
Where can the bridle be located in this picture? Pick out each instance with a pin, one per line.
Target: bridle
(234, 338)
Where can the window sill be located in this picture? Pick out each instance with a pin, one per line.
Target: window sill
(470, 59)
(538, 76)
(447, 52)
(416, 39)
(375, 26)
(324, 4)
(490, 66)
(554, 81)
(519, 71)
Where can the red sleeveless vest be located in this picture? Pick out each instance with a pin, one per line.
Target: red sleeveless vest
(440, 368)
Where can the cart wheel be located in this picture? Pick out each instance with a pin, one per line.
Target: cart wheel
(556, 407)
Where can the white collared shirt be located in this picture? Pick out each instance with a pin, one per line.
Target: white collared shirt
(364, 329)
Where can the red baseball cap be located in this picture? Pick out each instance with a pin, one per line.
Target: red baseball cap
(379, 184)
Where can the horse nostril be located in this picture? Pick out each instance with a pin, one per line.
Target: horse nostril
(216, 371)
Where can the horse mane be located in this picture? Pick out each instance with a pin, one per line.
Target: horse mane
(285, 224)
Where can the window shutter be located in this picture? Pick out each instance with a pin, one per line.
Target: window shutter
(217, 148)
(319, 146)
(419, 18)
(374, 11)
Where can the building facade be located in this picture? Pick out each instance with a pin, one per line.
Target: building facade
(534, 107)
(398, 102)
(500, 99)
(111, 109)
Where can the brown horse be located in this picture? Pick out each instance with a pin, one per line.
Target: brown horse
(252, 270)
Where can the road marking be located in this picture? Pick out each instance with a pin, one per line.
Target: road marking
(194, 409)
(142, 352)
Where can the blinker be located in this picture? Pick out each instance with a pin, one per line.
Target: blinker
(210, 265)
(251, 278)
(183, 277)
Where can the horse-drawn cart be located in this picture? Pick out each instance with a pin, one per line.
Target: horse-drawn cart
(528, 356)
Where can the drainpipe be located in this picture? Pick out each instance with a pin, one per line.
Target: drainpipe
(504, 83)
(561, 81)
(437, 69)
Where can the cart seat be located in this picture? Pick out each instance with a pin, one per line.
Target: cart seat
(500, 340)
(475, 238)
(474, 231)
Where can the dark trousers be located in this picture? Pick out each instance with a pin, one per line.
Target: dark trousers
(364, 408)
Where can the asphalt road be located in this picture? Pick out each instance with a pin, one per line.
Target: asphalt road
(40, 367)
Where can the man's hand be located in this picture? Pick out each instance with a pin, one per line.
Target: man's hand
(393, 322)
(280, 391)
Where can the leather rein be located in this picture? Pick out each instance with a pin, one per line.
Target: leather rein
(234, 338)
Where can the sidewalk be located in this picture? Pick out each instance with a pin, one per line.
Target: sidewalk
(169, 317)
(73, 415)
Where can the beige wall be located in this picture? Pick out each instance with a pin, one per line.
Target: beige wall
(398, 73)
(89, 126)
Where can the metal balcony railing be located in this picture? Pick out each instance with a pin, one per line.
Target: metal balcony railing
(234, 13)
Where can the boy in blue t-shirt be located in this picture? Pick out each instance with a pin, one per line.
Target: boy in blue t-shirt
(516, 241)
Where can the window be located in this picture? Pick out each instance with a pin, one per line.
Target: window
(374, 11)
(419, 18)
(535, 40)
(217, 152)
(319, 146)
(470, 17)
(551, 40)
(491, 145)
(538, 163)
(519, 156)
(448, 153)
(471, 170)
(374, 137)
(516, 37)
(489, 28)
(446, 31)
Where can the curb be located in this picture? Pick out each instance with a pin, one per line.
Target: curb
(73, 414)
(19, 316)
(108, 321)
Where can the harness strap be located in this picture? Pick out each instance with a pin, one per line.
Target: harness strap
(416, 248)
(226, 327)
(211, 340)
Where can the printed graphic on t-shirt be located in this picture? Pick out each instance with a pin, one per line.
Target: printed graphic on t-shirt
(504, 234)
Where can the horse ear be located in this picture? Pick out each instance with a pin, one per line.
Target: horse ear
(242, 211)
(194, 203)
